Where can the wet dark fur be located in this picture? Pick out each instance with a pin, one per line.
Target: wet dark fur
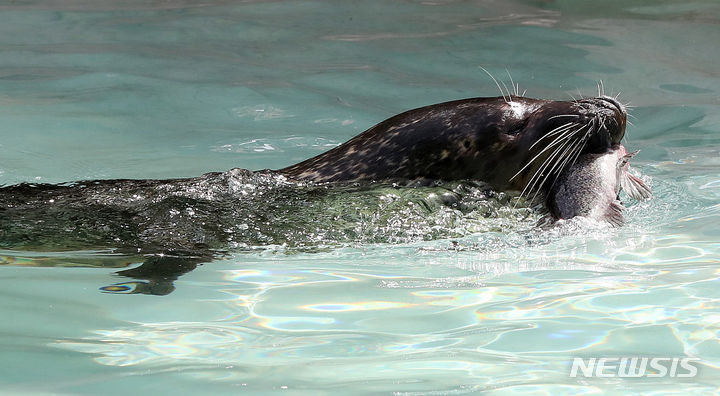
(478, 138)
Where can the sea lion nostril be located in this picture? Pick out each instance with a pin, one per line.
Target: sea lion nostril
(614, 102)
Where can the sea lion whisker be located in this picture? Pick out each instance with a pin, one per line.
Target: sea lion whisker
(515, 87)
(576, 156)
(573, 151)
(587, 134)
(563, 137)
(580, 142)
(559, 130)
(569, 152)
(559, 139)
(496, 83)
(577, 147)
(507, 90)
(563, 115)
(563, 126)
(549, 146)
(565, 147)
(540, 173)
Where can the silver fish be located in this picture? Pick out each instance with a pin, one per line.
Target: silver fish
(590, 187)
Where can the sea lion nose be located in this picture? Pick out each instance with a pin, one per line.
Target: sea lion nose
(617, 131)
(616, 105)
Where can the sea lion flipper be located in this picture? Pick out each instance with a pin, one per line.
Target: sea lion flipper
(156, 274)
(140, 287)
(635, 187)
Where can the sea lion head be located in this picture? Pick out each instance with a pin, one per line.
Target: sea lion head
(556, 133)
(509, 142)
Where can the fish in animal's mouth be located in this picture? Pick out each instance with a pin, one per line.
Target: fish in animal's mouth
(591, 187)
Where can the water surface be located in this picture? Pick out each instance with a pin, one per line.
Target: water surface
(100, 90)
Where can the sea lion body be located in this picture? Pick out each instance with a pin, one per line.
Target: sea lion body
(512, 143)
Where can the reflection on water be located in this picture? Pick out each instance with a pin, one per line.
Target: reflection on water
(407, 294)
(390, 320)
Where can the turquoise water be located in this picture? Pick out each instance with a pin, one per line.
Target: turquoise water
(92, 90)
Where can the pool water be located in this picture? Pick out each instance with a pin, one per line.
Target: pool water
(101, 90)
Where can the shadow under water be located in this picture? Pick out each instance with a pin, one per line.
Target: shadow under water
(174, 225)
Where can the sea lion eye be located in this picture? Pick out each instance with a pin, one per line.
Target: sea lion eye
(519, 127)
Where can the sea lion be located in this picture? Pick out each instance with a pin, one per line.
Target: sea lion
(510, 142)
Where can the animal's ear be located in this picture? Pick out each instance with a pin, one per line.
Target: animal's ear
(635, 187)
(613, 214)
